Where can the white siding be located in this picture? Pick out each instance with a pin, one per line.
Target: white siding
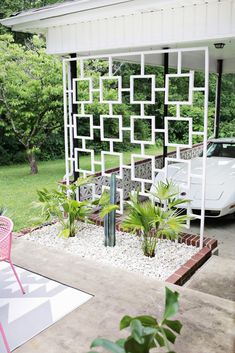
(191, 23)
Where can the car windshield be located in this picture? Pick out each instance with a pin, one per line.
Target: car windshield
(218, 149)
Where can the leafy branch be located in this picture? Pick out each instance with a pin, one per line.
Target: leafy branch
(147, 332)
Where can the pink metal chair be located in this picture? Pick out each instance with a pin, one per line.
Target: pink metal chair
(6, 227)
(4, 339)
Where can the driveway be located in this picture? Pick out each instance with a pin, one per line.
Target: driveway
(223, 229)
(217, 276)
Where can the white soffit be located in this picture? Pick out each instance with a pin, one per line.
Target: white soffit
(90, 27)
(75, 11)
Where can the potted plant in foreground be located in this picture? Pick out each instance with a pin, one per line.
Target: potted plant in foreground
(146, 332)
(153, 219)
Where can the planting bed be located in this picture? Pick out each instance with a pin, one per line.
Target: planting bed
(127, 254)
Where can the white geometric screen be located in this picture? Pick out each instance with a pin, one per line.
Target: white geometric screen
(98, 89)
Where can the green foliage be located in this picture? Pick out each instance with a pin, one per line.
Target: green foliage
(228, 101)
(153, 221)
(146, 332)
(62, 205)
(227, 129)
(30, 92)
(104, 203)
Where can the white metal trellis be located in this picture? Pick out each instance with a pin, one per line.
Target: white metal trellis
(72, 121)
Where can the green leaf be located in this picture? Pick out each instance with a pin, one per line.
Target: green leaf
(174, 325)
(65, 233)
(65, 206)
(176, 202)
(132, 346)
(121, 342)
(169, 335)
(75, 204)
(147, 331)
(105, 198)
(137, 331)
(125, 322)
(171, 304)
(159, 340)
(107, 209)
(111, 346)
(147, 320)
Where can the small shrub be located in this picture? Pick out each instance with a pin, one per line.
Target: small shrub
(153, 221)
(19, 157)
(5, 157)
(147, 332)
(62, 205)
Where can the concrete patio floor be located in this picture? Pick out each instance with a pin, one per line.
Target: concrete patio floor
(216, 277)
(208, 320)
(222, 229)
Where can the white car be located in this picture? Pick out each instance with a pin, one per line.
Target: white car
(220, 179)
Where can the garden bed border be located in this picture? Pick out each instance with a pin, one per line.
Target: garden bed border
(181, 275)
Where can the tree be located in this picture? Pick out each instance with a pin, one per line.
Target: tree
(9, 8)
(31, 104)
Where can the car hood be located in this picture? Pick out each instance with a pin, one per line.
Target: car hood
(218, 170)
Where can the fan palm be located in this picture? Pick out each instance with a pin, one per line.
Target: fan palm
(153, 221)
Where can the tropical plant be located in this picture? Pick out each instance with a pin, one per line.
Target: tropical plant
(167, 193)
(152, 221)
(62, 205)
(147, 332)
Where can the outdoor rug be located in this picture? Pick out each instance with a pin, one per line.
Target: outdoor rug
(45, 302)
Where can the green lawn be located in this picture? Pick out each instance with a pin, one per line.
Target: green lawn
(18, 187)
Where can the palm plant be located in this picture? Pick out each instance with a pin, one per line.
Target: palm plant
(166, 193)
(153, 221)
(62, 205)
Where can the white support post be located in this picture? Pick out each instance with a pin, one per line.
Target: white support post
(203, 194)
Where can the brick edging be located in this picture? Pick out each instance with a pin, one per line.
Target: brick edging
(185, 272)
(25, 231)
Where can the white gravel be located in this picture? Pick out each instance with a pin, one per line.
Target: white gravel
(127, 254)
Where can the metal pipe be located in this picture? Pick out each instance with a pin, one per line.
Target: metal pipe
(73, 74)
(218, 96)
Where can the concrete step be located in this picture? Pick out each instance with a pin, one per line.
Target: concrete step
(215, 277)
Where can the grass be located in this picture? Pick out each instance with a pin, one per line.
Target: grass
(18, 188)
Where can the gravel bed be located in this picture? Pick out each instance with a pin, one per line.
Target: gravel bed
(127, 254)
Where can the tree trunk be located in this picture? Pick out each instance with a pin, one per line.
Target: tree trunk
(32, 162)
